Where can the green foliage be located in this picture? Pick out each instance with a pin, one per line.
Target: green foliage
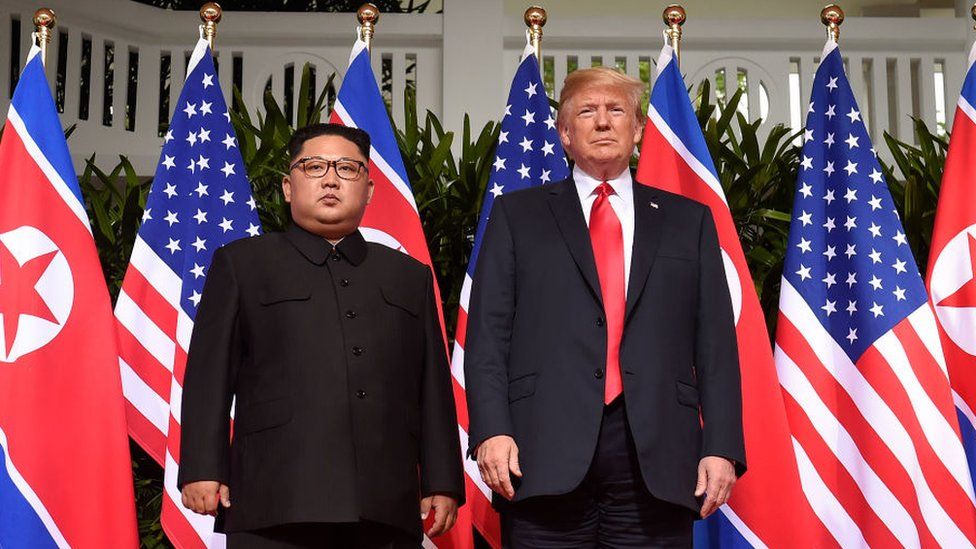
(449, 173)
(758, 176)
(148, 480)
(916, 193)
(115, 202)
(263, 142)
(448, 193)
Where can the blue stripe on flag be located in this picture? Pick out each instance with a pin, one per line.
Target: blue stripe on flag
(717, 531)
(33, 96)
(528, 140)
(201, 173)
(969, 86)
(670, 100)
(968, 440)
(19, 524)
(359, 95)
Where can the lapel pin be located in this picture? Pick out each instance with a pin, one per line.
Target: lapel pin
(653, 205)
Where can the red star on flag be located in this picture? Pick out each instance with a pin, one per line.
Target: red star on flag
(18, 295)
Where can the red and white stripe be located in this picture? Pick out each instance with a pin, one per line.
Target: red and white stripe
(879, 454)
(483, 516)
(154, 337)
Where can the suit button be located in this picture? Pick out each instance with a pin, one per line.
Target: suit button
(360, 394)
(344, 282)
(598, 373)
(599, 321)
(334, 256)
(358, 351)
(350, 314)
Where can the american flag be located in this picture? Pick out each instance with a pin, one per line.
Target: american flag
(675, 157)
(952, 262)
(857, 349)
(200, 200)
(392, 218)
(529, 153)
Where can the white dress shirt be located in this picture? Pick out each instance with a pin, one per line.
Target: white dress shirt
(622, 202)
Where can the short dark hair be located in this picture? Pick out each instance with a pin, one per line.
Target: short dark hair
(357, 136)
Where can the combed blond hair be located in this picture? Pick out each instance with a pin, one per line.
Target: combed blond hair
(582, 79)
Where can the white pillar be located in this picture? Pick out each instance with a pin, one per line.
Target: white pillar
(963, 7)
(473, 63)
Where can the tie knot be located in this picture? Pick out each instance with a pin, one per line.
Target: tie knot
(604, 190)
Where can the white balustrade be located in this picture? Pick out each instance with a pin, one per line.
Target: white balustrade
(894, 64)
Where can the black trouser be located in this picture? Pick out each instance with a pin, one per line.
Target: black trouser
(610, 508)
(358, 535)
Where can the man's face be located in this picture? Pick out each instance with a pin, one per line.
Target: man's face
(329, 206)
(600, 130)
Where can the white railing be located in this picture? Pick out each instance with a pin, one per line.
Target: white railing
(251, 49)
(899, 68)
(892, 63)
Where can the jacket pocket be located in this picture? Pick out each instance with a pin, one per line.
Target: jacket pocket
(674, 250)
(261, 416)
(270, 296)
(687, 394)
(409, 302)
(521, 387)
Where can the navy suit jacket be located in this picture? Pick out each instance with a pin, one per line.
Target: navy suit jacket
(536, 343)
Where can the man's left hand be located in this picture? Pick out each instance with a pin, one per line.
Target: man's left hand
(716, 476)
(445, 513)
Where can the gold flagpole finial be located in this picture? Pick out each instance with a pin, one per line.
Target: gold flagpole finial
(535, 19)
(368, 15)
(44, 20)
(674, 16)
(210, 14)
(832, 16)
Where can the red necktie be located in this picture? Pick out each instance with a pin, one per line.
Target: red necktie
(607, 238)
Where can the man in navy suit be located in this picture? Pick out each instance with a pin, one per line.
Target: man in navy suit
(601, 367)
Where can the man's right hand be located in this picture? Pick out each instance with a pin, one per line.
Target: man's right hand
(203, 496)
(497, 456)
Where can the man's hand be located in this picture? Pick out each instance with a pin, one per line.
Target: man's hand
(497, 456)
(716, 476)
(445, 513)
(203, 496)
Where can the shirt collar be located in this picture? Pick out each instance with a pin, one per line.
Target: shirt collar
(317, 249)
(622, 184)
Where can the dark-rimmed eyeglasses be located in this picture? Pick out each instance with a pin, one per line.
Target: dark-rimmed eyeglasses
(315, 167)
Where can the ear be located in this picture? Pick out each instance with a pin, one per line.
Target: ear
(564, 136)
(369, 190)
(286, 188)
(638, 132)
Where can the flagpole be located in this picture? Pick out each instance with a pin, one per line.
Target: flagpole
(210, 14)
(674, 16)
(44, 20)
(832, 17)
(535, 19)
(368, 15)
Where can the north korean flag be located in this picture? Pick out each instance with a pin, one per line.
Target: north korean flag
(65, 472)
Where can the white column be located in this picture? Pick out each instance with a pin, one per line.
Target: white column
(963, 7)
(474, 72)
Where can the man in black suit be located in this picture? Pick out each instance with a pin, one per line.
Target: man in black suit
(601, 365)
(345, 433)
